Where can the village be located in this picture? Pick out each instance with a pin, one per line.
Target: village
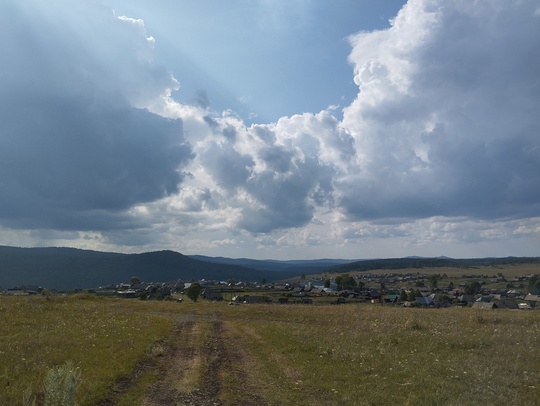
(413, 289)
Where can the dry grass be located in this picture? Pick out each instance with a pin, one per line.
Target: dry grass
(103, 338)
(362, 354)
(279, 354)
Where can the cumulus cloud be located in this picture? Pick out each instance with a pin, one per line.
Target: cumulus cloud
(442, 126)
(444, 121)
(275, 174)
(440, 145)
(78, 147)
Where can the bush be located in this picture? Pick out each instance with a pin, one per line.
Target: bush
(61, 384)
(60, 387)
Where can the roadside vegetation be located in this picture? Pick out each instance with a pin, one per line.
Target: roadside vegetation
(131, 352)
(103, 338)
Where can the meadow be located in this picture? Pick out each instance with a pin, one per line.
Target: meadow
(133, 352)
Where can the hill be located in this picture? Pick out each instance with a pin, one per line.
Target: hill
(70, 268)
(308, 266)
(419, 263)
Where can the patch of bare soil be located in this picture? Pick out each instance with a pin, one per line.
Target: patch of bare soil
(177, 363)
(218, 354)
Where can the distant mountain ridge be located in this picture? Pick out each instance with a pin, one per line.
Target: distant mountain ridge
(71, 268)
(310, 265)
(436, 262)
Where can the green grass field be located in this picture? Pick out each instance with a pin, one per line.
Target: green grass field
(132, 352)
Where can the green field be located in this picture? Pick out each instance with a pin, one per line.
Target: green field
(452, 273)
(132, 352)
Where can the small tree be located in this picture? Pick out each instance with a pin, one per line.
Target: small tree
(134, 280)
(534, 283)
(434, 280)
(327, 283)
(348, 282)
(473, 288)
(403, 296)
(194, 291)
(345, 281)
(411, 296)
(338, 280)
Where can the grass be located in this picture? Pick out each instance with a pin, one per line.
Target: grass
(357, 354)
(104, 338)
(452, 273)
(362, 354)
(509, 271)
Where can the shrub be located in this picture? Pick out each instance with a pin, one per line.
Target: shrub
(61, 385)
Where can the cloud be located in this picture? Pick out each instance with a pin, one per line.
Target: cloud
(439, 147)
(78, 146)
(444, 121)
(276, 175)
(442, 126)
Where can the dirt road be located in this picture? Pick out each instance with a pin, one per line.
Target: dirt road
(201, 364)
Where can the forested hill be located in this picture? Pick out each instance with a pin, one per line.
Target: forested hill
(69, 268)
(418, 263)
(308, 266)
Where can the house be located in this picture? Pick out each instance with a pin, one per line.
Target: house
(466, 299)
(128, 293)
(484, 305)
(513, 293)
(424, 301)
(317, 292)
(440, 300)
(391, 298)
(533, 300)
(507, 304)
(496, 304)
(250, 299)
(374, 295)
(210, 294)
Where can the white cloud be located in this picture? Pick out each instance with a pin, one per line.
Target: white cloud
(439, 148)
(443, 121)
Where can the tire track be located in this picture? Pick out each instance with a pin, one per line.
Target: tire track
(163, 357)
(200, 364)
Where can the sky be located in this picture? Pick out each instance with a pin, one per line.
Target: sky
(268, 129)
